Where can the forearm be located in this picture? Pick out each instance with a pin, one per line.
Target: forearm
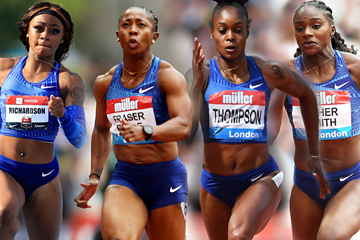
(309, 112)
(74, 125)
(100, 150)
(173, 130)
(196, 102)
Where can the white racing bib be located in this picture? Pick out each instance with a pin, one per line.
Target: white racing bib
(334, 115)
(237, 114)
(27, 112)
(135, 109)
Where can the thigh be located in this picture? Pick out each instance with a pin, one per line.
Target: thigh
(306, 215)
(43, 212)
(12, 198)
(124, 214)
(341, 216)
(254, 208)
(167, 223)
(216, 215)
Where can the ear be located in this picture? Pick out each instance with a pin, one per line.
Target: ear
(155, 37)
(248, 32)
(333, 30)
(117, 34)
(211, 32)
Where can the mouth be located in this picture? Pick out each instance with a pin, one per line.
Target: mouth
(309, 44)
(133, 43)
(230, 48)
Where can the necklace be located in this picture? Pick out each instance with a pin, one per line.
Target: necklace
(226, 70)
(47, 62)
(133, 73)
(306, 71)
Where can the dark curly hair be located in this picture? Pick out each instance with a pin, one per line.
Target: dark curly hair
(63, 50)
(237, 4)
(152, 17)
(337, 42)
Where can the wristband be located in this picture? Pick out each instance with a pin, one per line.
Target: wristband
(97, 175)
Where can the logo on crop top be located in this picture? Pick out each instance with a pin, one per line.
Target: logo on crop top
(145, 90)
(255, 86)
(45, 87)
(340, 86)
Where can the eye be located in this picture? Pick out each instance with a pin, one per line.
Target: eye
(142, 24)
(299, 29)
(38, 28)
(239, 30)
(222, 31)
(316, 26)
(55, 31)
(125, 24)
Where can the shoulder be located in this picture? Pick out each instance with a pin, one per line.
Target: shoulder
(352, 62)
(102, 82)
(168, 73)
(67, 75)
(272, 68)
(7, 64)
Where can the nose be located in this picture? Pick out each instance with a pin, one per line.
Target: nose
(133, 30)
(45, 35)
(230, 36)
(308, 32)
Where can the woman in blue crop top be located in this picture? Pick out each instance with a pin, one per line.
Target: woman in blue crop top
(38, 95)
(333, 72)
(241, 182)
(142, 103)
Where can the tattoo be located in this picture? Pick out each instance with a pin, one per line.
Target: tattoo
(78, 96)
(113, 186)
(99, 171)
(279, 72)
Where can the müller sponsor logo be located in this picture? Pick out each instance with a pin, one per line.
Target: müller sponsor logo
(323, 98)
(238, 97)
(126, 104)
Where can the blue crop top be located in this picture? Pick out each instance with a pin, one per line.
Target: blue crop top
(338, 104)
(143, 105)
(235, 113)
(24, 105)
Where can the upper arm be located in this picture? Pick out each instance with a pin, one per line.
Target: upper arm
(353, 64)
(173, 85)
(6, 64)
(72, 88)
(279, 75)
(100, 89)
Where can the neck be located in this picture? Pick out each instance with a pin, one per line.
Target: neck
(231, 60)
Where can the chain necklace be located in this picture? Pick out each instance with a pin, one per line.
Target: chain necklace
(306, 71)
(137, 73)
(133, 73)
(47, 62)
(226, 70)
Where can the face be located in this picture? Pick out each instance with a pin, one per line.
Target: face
(229, 31)
(136, 31)
(312, 30)
(45, 35)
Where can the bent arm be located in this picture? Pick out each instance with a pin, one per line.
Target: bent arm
(173, 85)
(73, 121)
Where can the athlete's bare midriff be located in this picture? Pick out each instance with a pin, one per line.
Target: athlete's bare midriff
(231, 159)
(335, 154)
(26, 150)
(146, 153)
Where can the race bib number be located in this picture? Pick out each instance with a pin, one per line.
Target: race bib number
(27, 112)
(334, 115)
(135, 109)
(237, 115)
